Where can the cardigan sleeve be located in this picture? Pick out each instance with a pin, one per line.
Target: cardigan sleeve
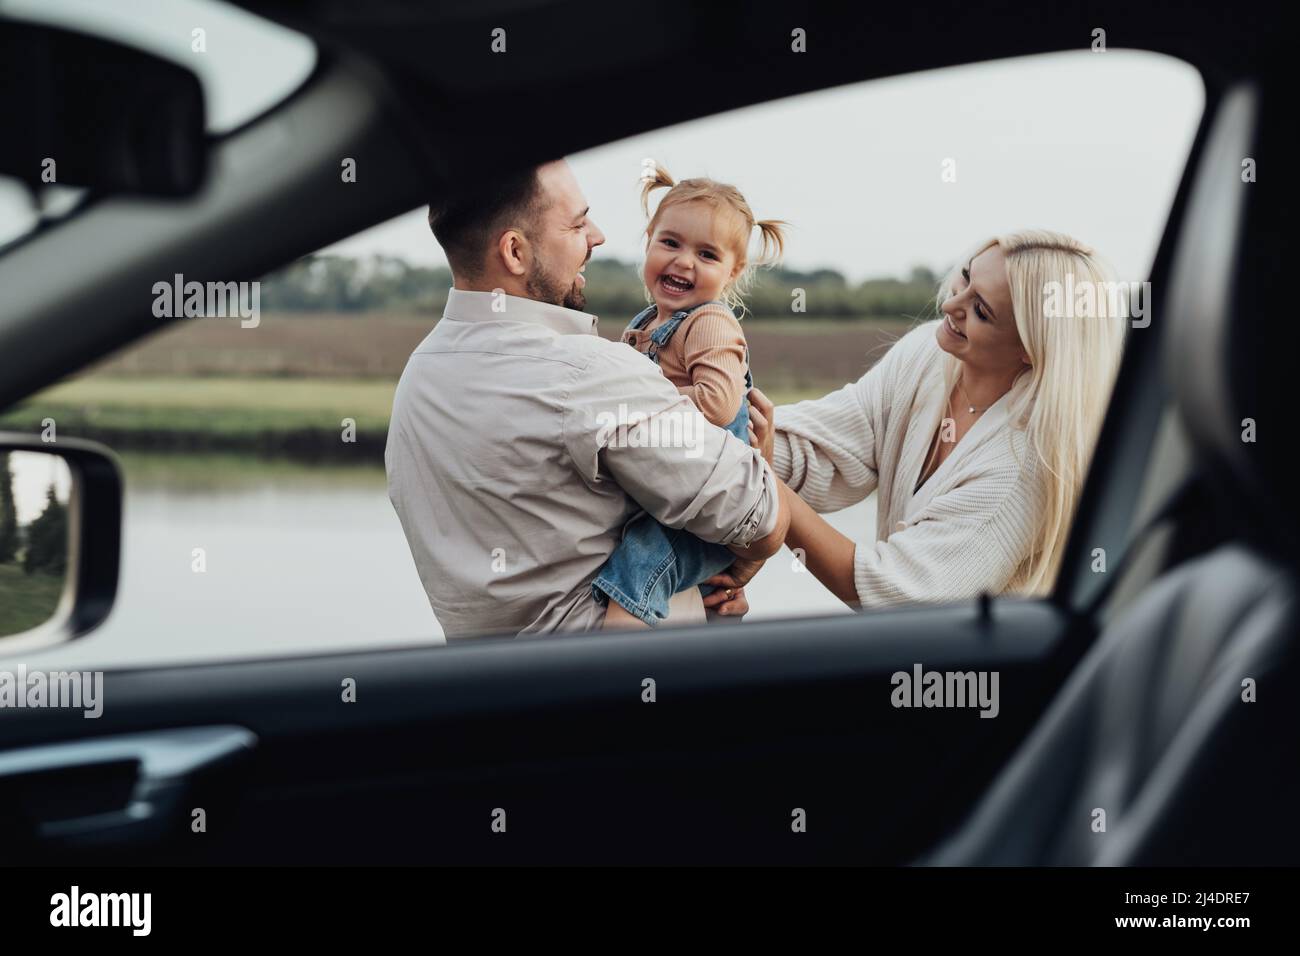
(713, 349)
(825, 449)
(971, 539)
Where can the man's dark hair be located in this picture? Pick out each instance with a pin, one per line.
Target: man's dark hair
(467, 220)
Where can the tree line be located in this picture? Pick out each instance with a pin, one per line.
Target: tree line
(43, 542)
(331, 283)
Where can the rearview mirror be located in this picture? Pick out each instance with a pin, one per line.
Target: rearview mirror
(83, 111)
(60, 533)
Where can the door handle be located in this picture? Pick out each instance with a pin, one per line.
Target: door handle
(164, 762)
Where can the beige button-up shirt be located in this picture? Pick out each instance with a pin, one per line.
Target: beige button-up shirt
(520, 444)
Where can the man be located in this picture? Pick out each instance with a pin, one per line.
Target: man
(511, 486)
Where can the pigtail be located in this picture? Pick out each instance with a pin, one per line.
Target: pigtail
(772, 234)
(772, 246)
(650, 182)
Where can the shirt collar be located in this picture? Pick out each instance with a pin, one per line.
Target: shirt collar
(465, 306)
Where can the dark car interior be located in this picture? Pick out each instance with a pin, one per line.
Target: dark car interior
(1123, 691)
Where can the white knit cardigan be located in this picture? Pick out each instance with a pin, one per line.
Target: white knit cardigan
(970, 528)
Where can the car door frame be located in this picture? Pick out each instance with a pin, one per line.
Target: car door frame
(799, 687)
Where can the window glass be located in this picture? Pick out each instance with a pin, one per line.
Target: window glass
(258, 521)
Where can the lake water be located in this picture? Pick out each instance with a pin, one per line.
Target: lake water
(300, 559)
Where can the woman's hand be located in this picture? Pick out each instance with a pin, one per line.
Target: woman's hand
(729, 598)
(761, 433)
(734, 606)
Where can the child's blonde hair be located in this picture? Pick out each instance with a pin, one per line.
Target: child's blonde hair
(720, 196)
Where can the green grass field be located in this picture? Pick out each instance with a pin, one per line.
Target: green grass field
(284, 388)
(224, 405)
(236, 413)
(26, 600)
(256, 414)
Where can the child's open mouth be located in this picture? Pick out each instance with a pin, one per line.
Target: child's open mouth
(675, 285)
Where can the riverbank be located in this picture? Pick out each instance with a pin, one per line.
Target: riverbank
(302, 418)
(321, 387)
(326, 418)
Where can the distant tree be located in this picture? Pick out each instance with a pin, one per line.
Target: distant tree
(921, 275)
(615, 290)
(47, 538)
(8, 513)
(319, 283)
(831, 277)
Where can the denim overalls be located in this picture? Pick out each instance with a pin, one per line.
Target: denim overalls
(653, 562)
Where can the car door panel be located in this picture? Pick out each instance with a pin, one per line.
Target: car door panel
(747, 725)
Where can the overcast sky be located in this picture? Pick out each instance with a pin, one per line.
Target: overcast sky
(1091, 144)
(1087, 143)
(32, 474)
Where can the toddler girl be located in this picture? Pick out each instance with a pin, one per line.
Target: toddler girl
(696, 269)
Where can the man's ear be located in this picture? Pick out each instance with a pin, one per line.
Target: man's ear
(512, 250)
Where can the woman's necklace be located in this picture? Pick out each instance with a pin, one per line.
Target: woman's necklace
(972, 408)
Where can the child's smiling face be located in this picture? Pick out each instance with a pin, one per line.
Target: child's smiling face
(691, 257)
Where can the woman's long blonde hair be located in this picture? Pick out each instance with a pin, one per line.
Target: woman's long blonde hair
(1074, 357)
(720, 196)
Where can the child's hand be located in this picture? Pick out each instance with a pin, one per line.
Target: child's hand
(729, 598)
(761, 433)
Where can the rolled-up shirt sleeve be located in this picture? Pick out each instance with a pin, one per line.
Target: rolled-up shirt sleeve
(624, 422)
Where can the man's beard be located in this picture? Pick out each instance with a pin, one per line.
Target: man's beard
(543, 287)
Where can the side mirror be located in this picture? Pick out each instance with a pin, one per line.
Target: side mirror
(60, 538)
(93, 113)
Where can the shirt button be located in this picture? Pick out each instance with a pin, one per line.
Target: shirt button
(901, 526)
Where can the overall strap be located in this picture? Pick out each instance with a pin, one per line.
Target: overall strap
(641, 318)
(661, 336)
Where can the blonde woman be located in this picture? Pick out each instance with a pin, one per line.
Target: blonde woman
(975, 430)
